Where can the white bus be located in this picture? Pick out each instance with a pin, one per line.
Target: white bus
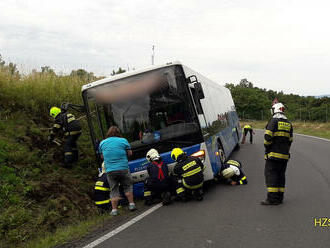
(164, 107)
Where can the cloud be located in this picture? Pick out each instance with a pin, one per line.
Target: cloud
(281, 45)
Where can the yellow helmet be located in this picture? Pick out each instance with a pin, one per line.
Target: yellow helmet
(176, 152)
(54, 111)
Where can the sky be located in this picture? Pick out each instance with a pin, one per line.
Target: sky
(283, 45)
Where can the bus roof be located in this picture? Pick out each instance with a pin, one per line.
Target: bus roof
(126, 74)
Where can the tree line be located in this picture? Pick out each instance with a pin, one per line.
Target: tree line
(255, 103)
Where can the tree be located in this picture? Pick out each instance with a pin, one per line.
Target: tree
(120, 70)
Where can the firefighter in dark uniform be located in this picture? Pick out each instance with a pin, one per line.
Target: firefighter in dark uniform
(277, 142)
(71, 128)
(159, 184)
(233, 173)
(247, 129)
(102, 192)
(190, 175)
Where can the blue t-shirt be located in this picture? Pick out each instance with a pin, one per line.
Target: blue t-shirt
(114, 153)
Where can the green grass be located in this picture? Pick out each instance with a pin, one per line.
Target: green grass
(317, 129)
(64, 234)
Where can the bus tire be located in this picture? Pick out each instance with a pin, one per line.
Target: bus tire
(237, 147)
(221, 151)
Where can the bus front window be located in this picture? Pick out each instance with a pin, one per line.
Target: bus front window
(152, 109)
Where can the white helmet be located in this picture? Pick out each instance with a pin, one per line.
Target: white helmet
(277, 108)
(228, 173)
(152, 155)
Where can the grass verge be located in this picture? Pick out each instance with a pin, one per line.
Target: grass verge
(317, 129)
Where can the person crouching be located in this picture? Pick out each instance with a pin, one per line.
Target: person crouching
(232, 172)
(159, 183)
(190, 175)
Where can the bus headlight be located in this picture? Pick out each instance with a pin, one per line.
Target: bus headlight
(200, 154)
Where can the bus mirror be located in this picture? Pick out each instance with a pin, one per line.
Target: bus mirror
(199, 90)
(192, 79)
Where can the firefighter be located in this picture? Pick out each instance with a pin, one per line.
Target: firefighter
(102, 191)
(233, 173)
(71, 128)
(190, 175)
(247, 129)
(159, 183)
(277, 142)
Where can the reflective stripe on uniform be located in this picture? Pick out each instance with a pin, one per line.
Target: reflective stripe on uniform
(281, 189)
(192, 187)
(101, 188)
(102, 202)
(179, 190)
(233, 162)
(276, 155)
(99, 183)
(192, 163)
(57, 125)
(283, 126)
(67, 153)
(193, 172)
(71, 119)
(267, 142)
(282, 134)
(241, 181)
(270, 133)
(272, 189)
(72, 133)
(147, 193)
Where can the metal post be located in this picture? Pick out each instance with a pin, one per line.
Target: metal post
(153, 55)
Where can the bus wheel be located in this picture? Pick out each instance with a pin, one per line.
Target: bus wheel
(237, 145)
(222, 154)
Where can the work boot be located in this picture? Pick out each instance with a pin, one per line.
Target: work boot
(166, 197)
(267, 202)
(198, 194)
(280, 197)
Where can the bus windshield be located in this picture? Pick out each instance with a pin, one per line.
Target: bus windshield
(153, 110)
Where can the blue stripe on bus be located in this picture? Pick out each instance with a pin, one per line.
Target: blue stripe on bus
(141, 164)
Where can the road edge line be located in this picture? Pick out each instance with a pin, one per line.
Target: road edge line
(309, 136)
(123, 227)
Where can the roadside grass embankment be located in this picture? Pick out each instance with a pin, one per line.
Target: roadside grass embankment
(318, 129)
(41, 201)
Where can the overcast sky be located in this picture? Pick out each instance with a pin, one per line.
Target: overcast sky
(279, 45)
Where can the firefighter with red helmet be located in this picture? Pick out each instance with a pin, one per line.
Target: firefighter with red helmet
(277, 142)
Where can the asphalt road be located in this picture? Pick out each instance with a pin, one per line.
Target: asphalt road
(232, 216)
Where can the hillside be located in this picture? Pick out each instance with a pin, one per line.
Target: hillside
(37, 193)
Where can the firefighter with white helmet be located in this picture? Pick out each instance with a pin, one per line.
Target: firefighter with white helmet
(233, 173)
(159, 183)
(277, 142)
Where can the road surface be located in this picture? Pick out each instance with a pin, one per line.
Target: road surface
(232, 216)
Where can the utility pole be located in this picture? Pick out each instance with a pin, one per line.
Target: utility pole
(153, 55)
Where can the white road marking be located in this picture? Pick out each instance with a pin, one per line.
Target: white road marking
(309, 136)
(123, 227)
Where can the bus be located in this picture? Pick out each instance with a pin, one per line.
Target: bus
(164, 107)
